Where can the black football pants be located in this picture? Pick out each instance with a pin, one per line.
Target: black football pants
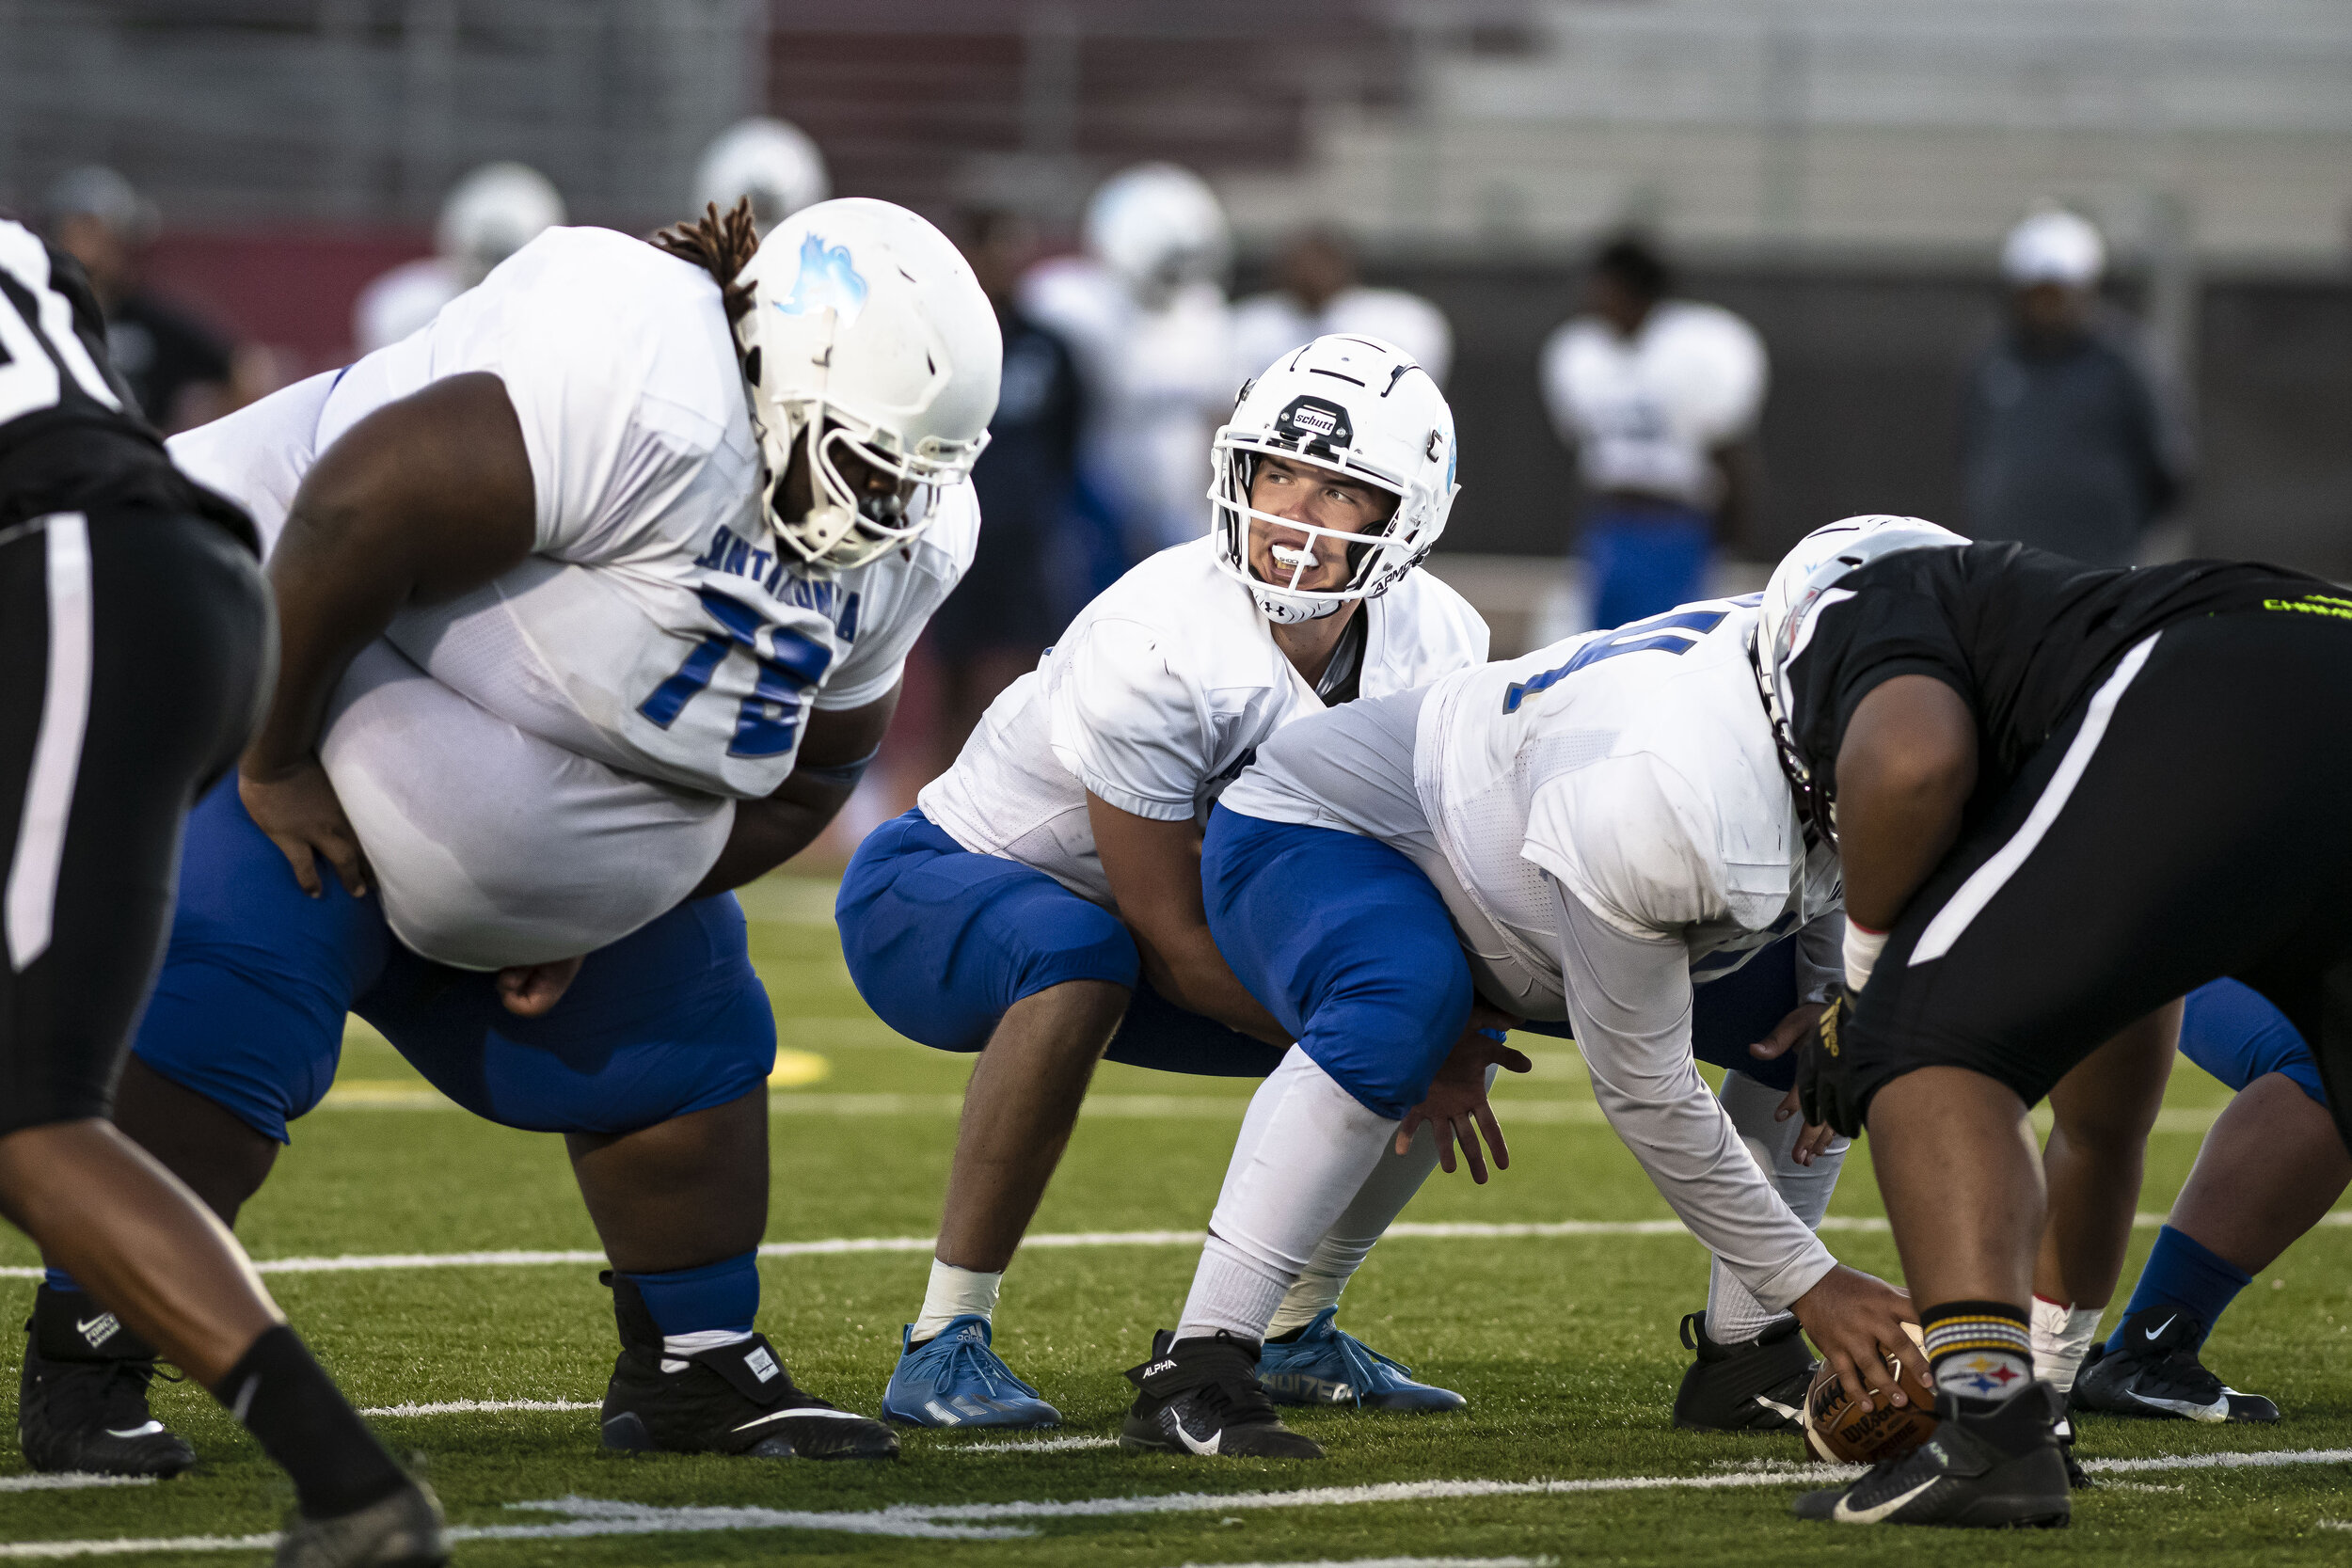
(2192, 819)
(135, 646)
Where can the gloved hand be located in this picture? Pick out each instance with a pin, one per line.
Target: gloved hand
(1824, 1070)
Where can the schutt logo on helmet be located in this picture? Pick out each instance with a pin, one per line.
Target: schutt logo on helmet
(1313, 424)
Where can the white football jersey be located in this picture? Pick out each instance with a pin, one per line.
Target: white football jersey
(1653, 795)
(1157, 383)
(1644, 414)
(1266, 327)
(1155, 699)
(655, 628)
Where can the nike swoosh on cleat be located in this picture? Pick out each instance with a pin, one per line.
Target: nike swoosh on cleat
(1846, 1515)
(1216, 1438)
(2218, 1411)
(148, 1431)
(2159, 1329)
(1785, 1412)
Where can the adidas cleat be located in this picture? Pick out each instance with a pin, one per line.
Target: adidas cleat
(737, 1399)
(404, 1530)
(1989, 1467)
(1324, 1363)
(954, 1379)
(1755, 1385)
(2157, 1373)
(82, 1398)
(1202, 1397)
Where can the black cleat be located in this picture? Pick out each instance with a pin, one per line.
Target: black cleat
(1203, 1397)
(2077, 1479)
(404, 1530)
(1989, 1467)
(1755, 1385)
(2157, 1373)
(737, 1399)
(82, 1403)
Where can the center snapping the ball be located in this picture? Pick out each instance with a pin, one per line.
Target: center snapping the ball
(1840, 1430)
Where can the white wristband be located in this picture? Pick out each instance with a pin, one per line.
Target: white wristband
(1863, 947)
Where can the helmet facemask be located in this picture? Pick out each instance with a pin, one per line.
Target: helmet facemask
(858, 496)
(1376, 555)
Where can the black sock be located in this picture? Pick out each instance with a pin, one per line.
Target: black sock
(302, 1420)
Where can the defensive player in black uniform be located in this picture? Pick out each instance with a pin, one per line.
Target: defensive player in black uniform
(135, 641)
(2063, 798)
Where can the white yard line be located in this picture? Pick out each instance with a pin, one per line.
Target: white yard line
(1027, 1445)
(590, 1517)
(846, 1245)
(72, 1480)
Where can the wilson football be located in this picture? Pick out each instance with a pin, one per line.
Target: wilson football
(1840, 1430)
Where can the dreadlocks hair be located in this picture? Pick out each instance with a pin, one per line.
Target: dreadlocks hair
(721, 246)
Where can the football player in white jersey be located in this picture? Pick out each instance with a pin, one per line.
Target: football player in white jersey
(1659, 397)
(1042, 901)
(1598, 833)
(1144, 312)
(595, 595)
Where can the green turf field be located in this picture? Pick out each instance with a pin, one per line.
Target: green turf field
(1563, 1344)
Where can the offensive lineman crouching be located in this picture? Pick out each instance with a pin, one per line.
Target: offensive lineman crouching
(1597, 833)
(595, 592)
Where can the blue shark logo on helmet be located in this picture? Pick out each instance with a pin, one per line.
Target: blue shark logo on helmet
(827, 280)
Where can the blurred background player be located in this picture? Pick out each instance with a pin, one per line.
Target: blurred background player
(1144, 312)
(182, 370)
(2271, 1166)
(488, 216)
(1002, 614)
(1317, 292)
(135, 641)
(2069, 439)
(772, 162)
(1659, 397)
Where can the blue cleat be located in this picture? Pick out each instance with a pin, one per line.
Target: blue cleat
(1326, 1364)
(955, 1380)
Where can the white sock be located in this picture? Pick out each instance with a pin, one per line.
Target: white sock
(1732, 1313)
(1338, 1255)
(953, 1293)
(2061, 1338)
(676, 1347)
(1306, 1149)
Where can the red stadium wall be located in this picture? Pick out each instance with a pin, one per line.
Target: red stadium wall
(291, 290)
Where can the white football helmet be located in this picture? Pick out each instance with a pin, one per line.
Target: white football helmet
(1157, 228)
(1804, 582)
(493, 212)
(868, 337)
(773, 161)
(1361, 407)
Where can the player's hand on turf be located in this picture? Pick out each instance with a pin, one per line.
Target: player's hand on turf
(1852, 1319)
(1456, 1109)
(528, 991)
(1786, 1034)
(297, 808)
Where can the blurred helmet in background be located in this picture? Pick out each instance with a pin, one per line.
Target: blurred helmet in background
(1158, 228)
(94, 191)
(491, 213)
(2054, 246)
(773, 163)
(1363, 409)
(868, 337)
